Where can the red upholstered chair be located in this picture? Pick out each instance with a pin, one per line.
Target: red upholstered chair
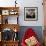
(28, 34)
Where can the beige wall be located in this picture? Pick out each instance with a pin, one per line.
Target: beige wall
(44, 5)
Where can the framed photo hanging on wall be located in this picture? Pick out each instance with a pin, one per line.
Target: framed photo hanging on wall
(30, 13)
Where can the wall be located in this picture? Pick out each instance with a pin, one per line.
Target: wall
(26, 3)
(44, 4)
(31, 3)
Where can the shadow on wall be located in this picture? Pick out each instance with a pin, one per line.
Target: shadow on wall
(37, 29)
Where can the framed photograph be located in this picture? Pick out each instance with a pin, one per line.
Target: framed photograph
(5, 12)
(10, 20)
(13, 12)
(13, 20)
(0, 36)
(0, 19)
(5, 20)
(30, 13)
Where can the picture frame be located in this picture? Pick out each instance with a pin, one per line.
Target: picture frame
(13, 20)
(6, 34)
(5, 12)
(0, 36)
(5, 20)
(0, 19)
(10, 20)
(13, 12)
(30, 13)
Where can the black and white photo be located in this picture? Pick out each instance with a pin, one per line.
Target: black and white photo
(30, 13)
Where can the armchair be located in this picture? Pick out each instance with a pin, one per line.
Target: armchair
(30, 38)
